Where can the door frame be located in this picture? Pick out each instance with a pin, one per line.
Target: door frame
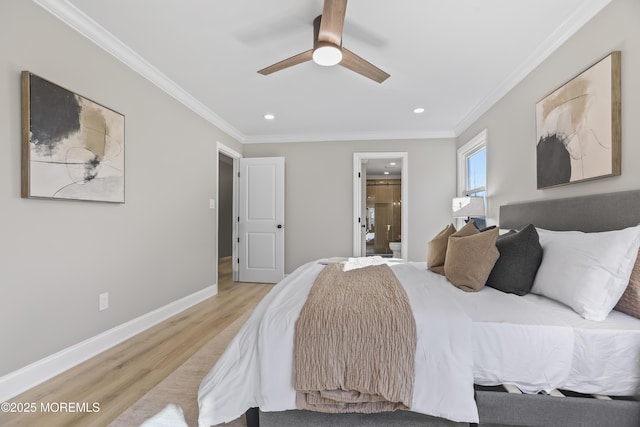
(235, 156)
(358, 157)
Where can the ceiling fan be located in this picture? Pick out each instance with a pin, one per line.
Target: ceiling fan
(327, 46)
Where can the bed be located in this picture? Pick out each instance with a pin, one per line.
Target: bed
(535, 361)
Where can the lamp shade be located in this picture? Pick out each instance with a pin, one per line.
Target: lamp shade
(466, 207)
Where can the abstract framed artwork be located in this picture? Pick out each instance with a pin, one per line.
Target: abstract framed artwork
(72, 147)
(578, 127)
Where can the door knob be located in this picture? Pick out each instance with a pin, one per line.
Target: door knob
(280, 226)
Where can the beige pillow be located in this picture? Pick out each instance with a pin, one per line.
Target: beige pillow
(437, 249)
(630, 301)
(470, 259)
(469, 229)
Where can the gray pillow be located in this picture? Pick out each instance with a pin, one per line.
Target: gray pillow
(520, 257)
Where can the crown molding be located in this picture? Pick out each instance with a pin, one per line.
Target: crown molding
(583, 14)
(86, 26)
(90, 29)
(355, 136)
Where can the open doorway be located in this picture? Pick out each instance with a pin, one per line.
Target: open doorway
(380, 204)
(227, 199)
(225, 218)
(383, 212)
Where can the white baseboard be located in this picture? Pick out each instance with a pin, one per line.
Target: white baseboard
(23, 379)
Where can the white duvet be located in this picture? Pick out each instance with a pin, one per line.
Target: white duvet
(256, 368)
(486, 337)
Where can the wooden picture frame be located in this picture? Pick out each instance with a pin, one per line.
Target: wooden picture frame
(578, 129)
(72, 147)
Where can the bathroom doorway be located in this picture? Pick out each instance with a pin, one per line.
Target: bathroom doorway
(380, 204)
(383, 220)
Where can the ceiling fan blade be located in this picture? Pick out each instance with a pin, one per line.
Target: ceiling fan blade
(355, 63)
(289, 62)
(332, 21)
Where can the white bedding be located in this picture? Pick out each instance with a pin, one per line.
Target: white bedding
(487, 337)
(545, 345)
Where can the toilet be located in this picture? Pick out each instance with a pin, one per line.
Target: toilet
(396, 248)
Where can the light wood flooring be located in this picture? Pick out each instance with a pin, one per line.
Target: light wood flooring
(121, 375)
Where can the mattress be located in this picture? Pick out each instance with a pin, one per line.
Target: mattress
(538, 344)
(531, 342)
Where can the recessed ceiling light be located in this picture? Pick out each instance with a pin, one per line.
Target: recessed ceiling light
(269, 116)
(418, 110)
(386, 173)
(392, 164)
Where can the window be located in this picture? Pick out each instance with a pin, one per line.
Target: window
(472, 170)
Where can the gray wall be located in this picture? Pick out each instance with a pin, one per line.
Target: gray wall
(511, 168)
(319, 193)
(56, 257)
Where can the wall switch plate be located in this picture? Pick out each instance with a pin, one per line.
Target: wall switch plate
(212, 203)
(104, 301)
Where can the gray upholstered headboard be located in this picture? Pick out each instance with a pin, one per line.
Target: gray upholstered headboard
(598, 212)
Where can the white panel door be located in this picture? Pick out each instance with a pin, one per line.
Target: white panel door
(261, 220)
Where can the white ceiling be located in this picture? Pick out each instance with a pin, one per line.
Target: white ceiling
(454, 58)
(378, 167)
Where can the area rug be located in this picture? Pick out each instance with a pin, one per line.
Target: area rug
(162, 404)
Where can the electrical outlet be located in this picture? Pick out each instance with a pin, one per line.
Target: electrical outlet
(212, 203)
(104, 301)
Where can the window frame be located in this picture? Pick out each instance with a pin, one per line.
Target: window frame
(467, 150)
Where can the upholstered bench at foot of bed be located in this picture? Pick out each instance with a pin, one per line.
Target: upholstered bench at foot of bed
(496, 407)
(319, 419)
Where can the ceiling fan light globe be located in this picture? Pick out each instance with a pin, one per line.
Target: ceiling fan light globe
(327, 55)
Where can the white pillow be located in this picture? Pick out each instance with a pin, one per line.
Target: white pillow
(586, 271)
